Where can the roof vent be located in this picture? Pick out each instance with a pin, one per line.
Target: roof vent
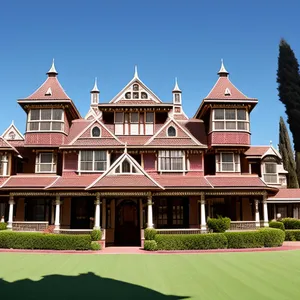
(49, 92)
(227, 92)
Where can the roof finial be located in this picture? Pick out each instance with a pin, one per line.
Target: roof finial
(52, 70)
(176, 87)
(223, 72)
(136, 75)
(125, 150)
(271, 143)
(95, 88)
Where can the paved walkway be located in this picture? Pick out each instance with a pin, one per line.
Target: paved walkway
(138, 250)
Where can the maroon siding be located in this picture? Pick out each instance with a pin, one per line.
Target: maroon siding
(149, 162)
(229, 138)
(44, 138)
(195, 162)
(71, 161)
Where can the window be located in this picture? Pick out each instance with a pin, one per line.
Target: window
(230, 119)
(171, 131)
(171, 160)
(230, 162)
(270, 174)
(93, 161)
(45, 162)
(96, 132)
(50, 119)
(162, 216)
(126, 167)
(149, 117)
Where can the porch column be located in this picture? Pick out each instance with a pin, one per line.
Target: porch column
(103, 213)
(257, 218)
(4, 165)
(141, 213)
(57, 213)
(266, 217)
(150, 212)
(11, 203)
(203, 216)
(97, 212)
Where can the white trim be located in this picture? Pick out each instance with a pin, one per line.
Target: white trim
(38, 163)
(236, 166)
(13, 127)
(51, 184)
(183, 157)
(264, 173)
(167, 132)
(93, 162)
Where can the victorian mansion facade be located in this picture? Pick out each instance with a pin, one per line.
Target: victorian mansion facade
(138, 162)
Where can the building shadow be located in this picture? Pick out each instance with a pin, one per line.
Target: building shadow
(84, 287)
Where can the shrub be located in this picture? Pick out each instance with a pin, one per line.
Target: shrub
(96, 235)
(95, 246)
(292, 235)
(290, 223)
(150, 245)
(150, 234)
(218, 224)
(273, 237)
(191, 241)
(276, 224)
(35, 240)
(244, 239)
(3, 226)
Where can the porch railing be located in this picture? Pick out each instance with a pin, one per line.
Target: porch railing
(179, 231)
(29, 226)
(243, 225)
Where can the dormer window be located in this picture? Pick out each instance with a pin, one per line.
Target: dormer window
(48, 92)
(171, 131)
(96, 132)
(45, 119)
(230, 119)
(227, 92)
(270, 172)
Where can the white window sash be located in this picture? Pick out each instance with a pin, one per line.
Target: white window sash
(39, 165)
(168, 160)
(270, 177)
(235, 163)
(93, 162)
(42, 121)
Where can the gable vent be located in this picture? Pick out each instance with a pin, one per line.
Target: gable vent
(227, 92)
(49, 92)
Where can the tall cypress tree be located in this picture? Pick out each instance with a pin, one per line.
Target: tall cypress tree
(286, 152)
(288, 79)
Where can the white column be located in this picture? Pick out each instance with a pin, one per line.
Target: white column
(257, 218)
(150, 212)
(11, 203)
(203, 216)
(57, 213)
(141, 213)
(97, 212)
(266, 217)
(4, 165)
(104, 213)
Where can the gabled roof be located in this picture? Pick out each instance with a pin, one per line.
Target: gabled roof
(12, 133)
(262, 151)
(151, 99)
(286, 195)
(183, 136)
(112, 179)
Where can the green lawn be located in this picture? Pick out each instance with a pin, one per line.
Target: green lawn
(253, 276)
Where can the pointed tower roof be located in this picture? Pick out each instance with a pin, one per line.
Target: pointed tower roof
(95, 88)
(52, 71)
(223, 71)
(176, 87)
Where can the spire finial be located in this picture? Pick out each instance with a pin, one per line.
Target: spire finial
(271, 143)
(136, 75)
(95, 88)
(223, 72)
(52, 70)
(176, 87)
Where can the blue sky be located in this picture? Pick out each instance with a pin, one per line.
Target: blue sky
(165, 39)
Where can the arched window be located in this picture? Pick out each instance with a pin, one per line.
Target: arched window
(96, 132)
(171, 131)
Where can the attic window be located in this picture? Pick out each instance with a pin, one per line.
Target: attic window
(128, 95)
(126, 167)
(227, 92)
(171, 131)
(96, 132)
(135, 87)
(12, 135)
(49, 92)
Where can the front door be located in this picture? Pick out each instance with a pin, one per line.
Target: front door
(127, 231)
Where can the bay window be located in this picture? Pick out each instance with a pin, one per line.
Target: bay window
(50, 119)
(270, 172)
(171, 160)
(93, 161)
(45, 162)
(230, 119)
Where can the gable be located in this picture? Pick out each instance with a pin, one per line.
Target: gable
(12, 133)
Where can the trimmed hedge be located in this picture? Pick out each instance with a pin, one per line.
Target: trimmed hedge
(3, 226)
(96, 235)
(150, 245)
(290, 223)
(292, 235)
(277, 224)
(95, 246)
(150, 234)
(218, 224)
(273, 237)
(191, 241)
(34, 240)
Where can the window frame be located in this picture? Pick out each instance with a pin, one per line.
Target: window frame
(225, 120)
(236, 164)
(38, 162)
(93, 161)
(183, 157)
(40, 120)
(92, 136)
(267, 173)
(167, 133)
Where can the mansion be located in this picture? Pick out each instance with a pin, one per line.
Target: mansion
(137, 162)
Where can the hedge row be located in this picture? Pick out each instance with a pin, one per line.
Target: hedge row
(31, 240)
(290, 223)
(265, 237)
(3, 226)
(219, 224)
(292, 235)
(276, 224)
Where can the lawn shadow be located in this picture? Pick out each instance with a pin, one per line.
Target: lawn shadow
(83, 286)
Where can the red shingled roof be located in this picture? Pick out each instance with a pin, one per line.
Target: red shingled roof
(257, 150)
(5, 145)
(74, 181)
(235, 181)
(30, 181)
(180, 181)
(287, 194)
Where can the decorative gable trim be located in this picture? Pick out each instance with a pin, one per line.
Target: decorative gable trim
(12, 128)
